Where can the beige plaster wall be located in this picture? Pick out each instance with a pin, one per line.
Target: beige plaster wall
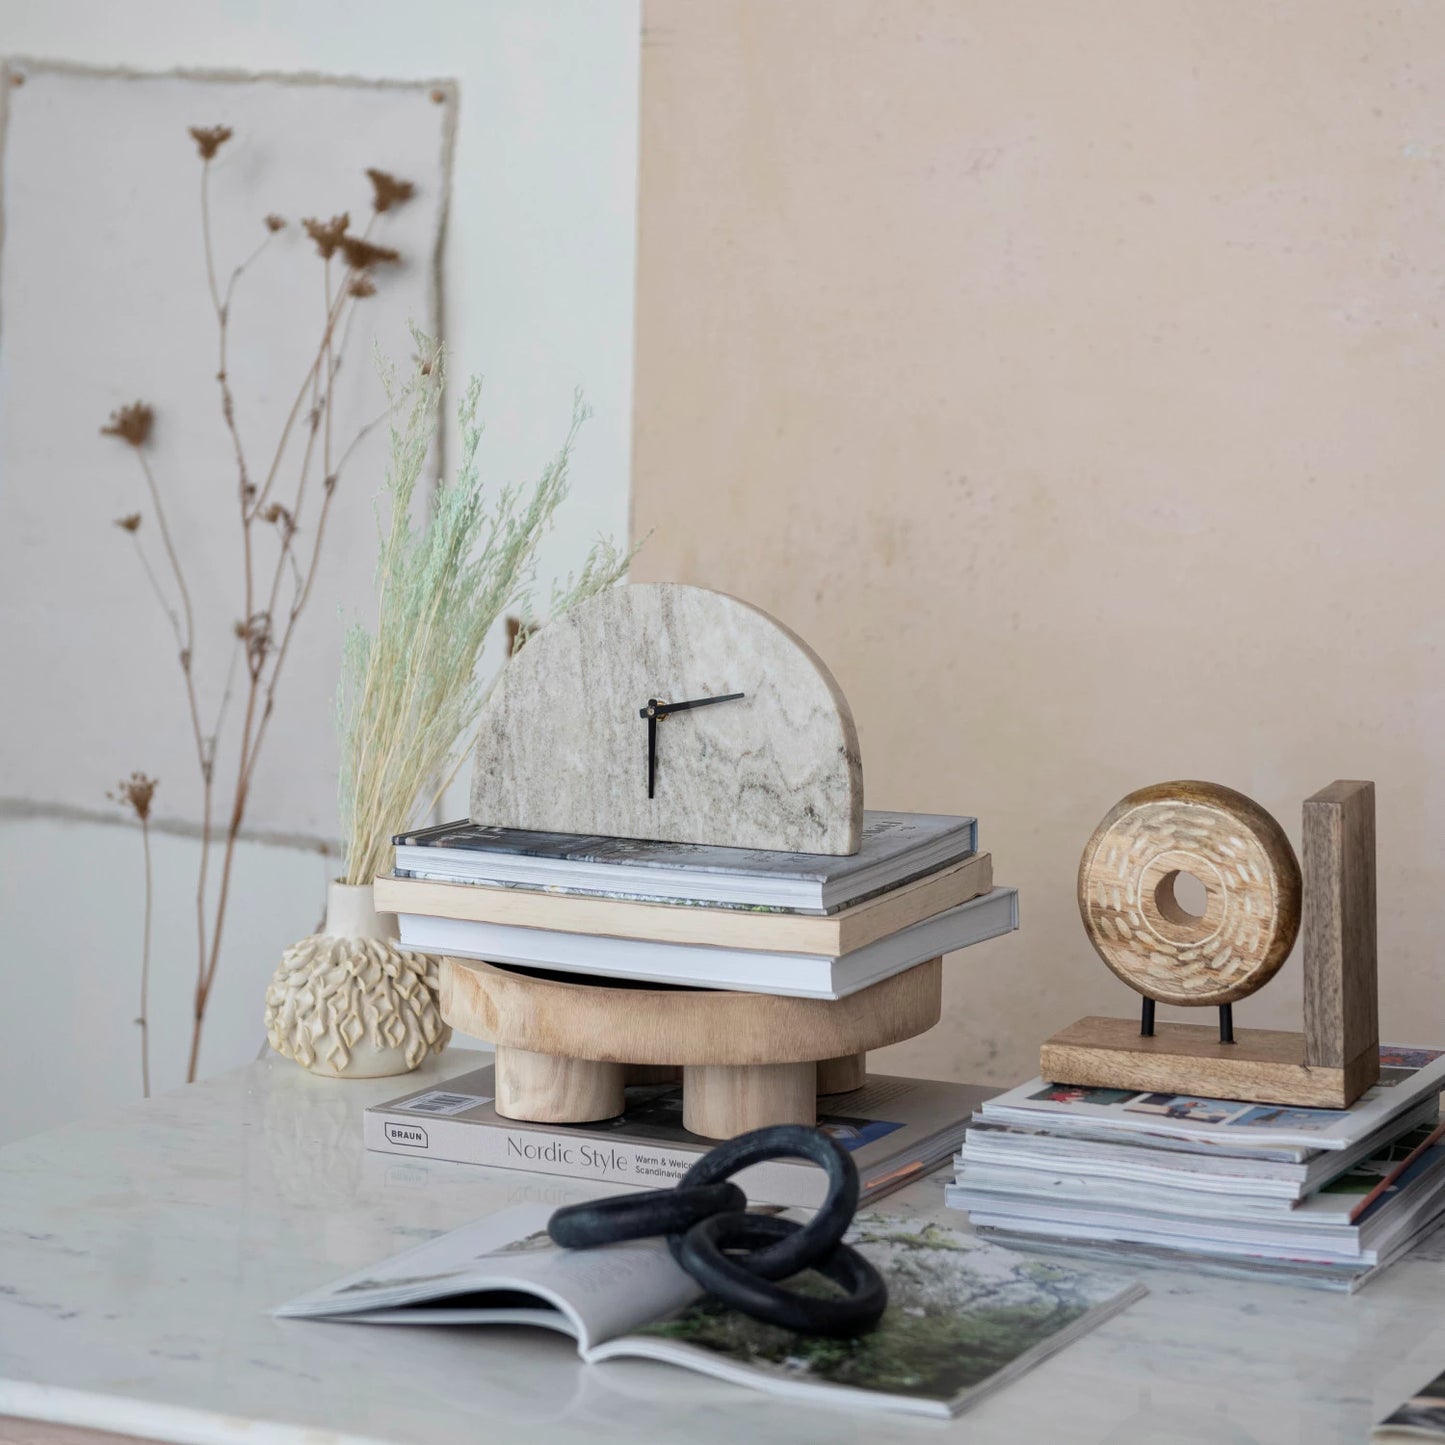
(1072, 377)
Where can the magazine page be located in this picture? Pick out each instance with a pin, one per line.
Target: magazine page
(1421, 1417)
(506, 1270)
(1406, 1076)
(963, 1318)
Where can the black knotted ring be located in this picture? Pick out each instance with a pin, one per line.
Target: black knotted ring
(703, 1219)
(701, 1254)
(803, 1245)
(641, 1216)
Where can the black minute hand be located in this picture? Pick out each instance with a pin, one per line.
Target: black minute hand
(661, 709)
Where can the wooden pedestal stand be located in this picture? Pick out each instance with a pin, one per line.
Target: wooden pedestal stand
(1153, 946)
(567, 1044)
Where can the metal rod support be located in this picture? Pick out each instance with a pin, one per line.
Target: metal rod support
(1226, 1023)
(1146, 1019)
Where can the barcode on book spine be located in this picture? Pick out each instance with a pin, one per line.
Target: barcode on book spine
(441, 1102)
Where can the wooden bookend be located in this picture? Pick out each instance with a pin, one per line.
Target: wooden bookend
(1342, 1015)
(1336, 1057)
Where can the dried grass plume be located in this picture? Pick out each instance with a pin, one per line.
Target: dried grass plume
(411, 693)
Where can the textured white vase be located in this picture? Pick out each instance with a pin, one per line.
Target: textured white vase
(347, 1002)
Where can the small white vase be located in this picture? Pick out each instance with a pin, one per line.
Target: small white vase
(347, 1002)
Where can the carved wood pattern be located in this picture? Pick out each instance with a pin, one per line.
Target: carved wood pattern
(1251, 880)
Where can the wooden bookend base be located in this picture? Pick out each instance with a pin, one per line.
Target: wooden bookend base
(1266, 1066)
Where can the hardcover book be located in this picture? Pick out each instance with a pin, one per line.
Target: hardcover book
(896, 848)
(895, 1128)
(963, 1317)
(770, 929)
(803, 975)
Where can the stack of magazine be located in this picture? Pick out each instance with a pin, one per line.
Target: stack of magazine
(676, 913)
(1326, 1197)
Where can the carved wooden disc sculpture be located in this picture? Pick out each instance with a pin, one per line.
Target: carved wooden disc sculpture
(1251, 882)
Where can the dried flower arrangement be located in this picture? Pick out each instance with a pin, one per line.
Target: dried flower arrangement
(348, 1001)
(281, 541)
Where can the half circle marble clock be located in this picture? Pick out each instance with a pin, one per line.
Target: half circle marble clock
(673, 713)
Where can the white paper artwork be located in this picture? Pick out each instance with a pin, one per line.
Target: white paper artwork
(105, 301)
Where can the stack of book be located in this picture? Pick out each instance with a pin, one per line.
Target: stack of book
(1323, 1196)
(809, 925)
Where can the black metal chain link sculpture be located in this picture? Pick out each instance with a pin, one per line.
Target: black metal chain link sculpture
(738, 1257)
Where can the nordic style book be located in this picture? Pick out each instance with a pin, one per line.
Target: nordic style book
(963, 1318)
(896, 1130)
(896, 848)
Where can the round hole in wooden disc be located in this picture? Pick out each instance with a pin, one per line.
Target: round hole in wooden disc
(1181, 897)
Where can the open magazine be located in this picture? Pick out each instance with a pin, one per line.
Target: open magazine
(963, 1317)
(1421, 1417)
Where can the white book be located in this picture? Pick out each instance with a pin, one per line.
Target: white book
(803, 975)
(963, 1317)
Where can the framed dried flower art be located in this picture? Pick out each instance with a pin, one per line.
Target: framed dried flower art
(195, 270)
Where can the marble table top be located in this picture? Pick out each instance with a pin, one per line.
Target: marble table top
(141, 1251)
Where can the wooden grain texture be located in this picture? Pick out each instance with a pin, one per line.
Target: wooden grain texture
(842, 1075)
(719, 1102)
(1251, 881)
(842, 932)
(586, 1018)
(549, 1089)
(1262, 1065)
(1341, 1010)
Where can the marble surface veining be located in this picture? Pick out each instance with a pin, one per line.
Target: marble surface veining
(563, 749)
(141, 1251)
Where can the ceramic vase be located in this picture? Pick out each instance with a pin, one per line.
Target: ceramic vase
(347, 1002)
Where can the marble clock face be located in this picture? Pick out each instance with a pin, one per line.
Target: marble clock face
(587, 721)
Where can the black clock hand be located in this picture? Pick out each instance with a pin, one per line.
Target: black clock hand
(650, 713)
(655, 709)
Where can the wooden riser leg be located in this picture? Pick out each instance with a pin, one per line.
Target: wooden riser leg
(721, 1100)
(546, 1089)
(841, 1075)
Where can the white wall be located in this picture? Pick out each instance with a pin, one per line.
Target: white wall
(539, 299)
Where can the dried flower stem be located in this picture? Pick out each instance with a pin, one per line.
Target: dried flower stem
(145, 966)
(264, 633)
(136, 793)
(320, 383)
